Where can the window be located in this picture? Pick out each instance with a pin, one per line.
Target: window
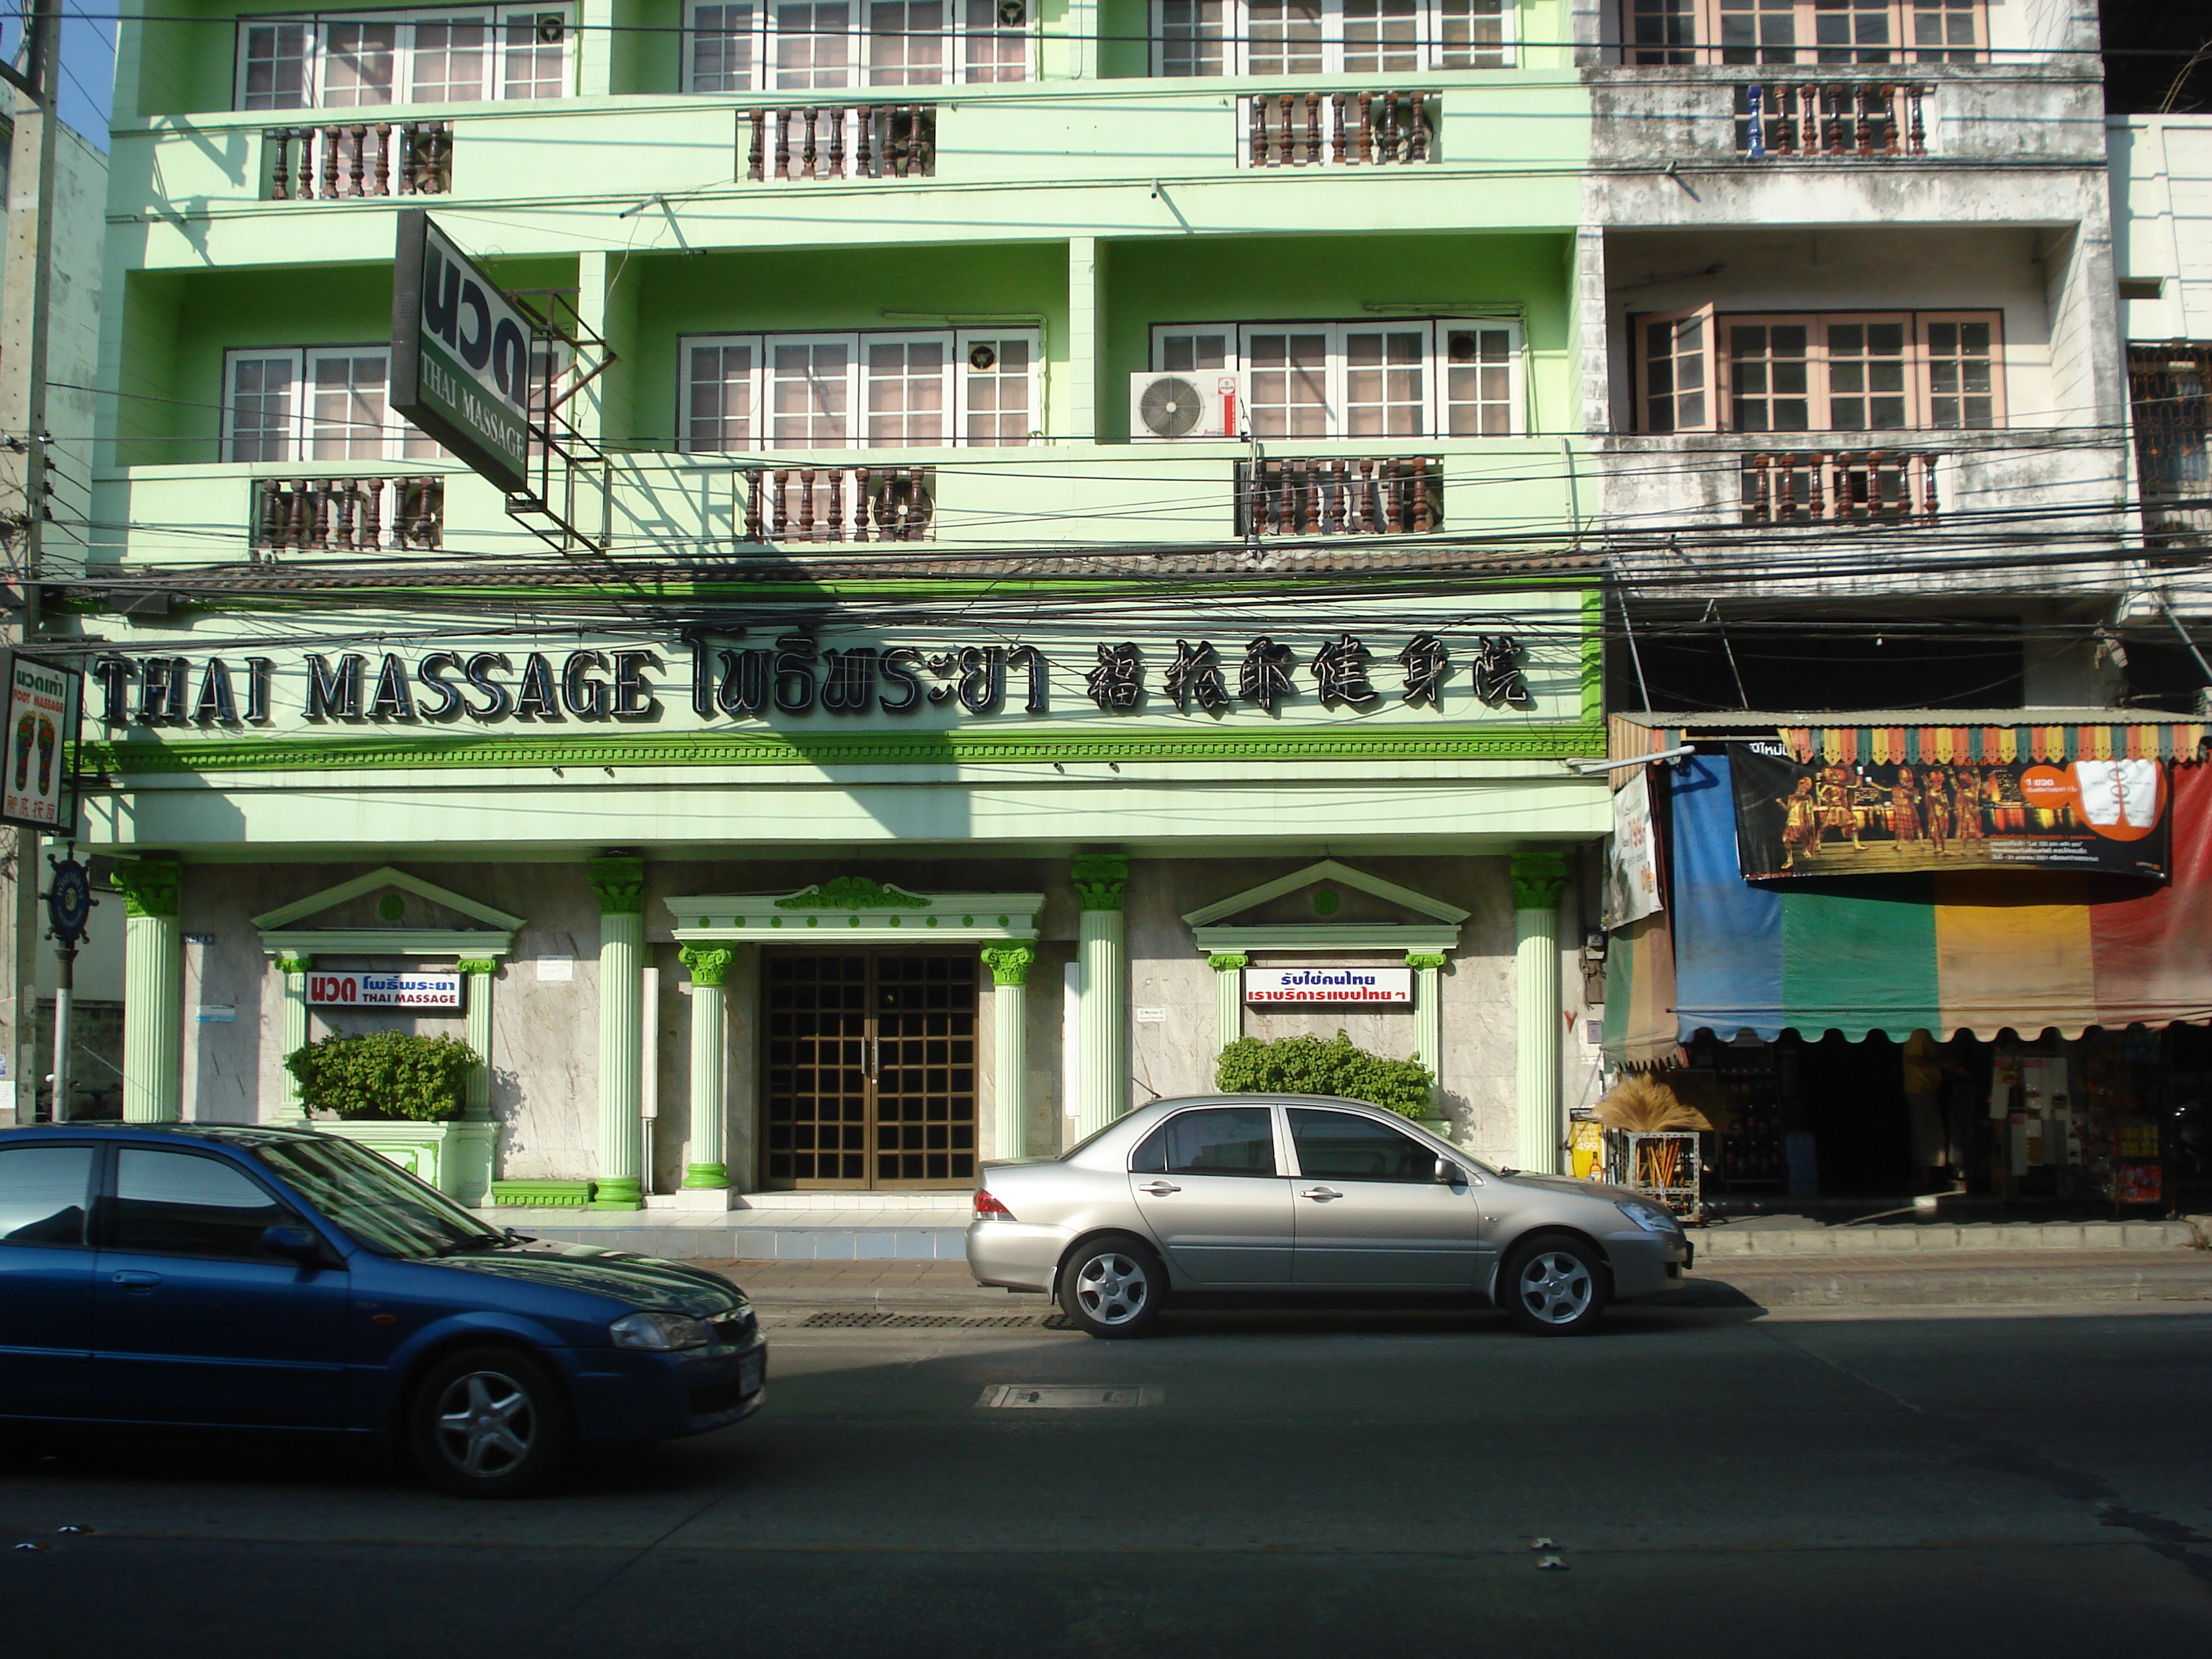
(187, 1204)
(880, 390)
(1415, 379)
(378, 1204)
(1327, 37)
(1661, 32)
(1233, 1141)
(2170, 391)
(42, 1192)
(1893, 372)
(817, 44)
(352, 61)
(1340, 1146)
(316, 404)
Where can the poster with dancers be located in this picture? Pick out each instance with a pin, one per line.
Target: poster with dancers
(1847, 817)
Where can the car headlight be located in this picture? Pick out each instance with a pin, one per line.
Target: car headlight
(662, 1333)
(1649, 1217)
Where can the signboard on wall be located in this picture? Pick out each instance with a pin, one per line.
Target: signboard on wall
(1273, 986)
(1631, 866)
(460, 354)
(42, 711)
(383, 990)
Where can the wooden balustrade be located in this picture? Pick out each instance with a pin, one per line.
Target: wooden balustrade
(1840, 119)
(1331, 128)
(384, 158)
(349, 515)
(841, 504)
(843, 141)
(1868, 485)
(1362, 495)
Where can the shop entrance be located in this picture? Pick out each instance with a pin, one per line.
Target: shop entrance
(871, 1070)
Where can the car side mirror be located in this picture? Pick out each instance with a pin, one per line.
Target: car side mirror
(300, 1245)
(1448, 1174)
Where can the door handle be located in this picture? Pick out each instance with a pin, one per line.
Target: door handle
(1159, 1188)
(1324, 1194)
(138, 1283)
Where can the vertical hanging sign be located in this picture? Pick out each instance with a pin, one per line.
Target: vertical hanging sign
(460, 354)
(43, 699)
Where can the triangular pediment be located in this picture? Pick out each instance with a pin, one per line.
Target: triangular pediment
(1292, 899)
(358, 905)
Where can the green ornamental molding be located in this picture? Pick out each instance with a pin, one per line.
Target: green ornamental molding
(1538, 878)
(290, 963)
(851, 893)
(1100, 879)
(1009, 964)
(619, 880)
(1420, 959)
(707, 965)
(149, 885)
(483, 966)
(1229, 962)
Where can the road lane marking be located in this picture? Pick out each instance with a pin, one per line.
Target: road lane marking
(1060, 1396)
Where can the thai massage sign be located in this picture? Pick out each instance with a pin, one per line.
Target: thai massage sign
(460, 354)
(35, 787)
(1831, 816)
(1333, 985)
(374, 990)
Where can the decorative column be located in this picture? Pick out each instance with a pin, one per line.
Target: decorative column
(479, 970)
(619, 881)
(1102, 996)
(710, 967)
(1429, 1021)
(1538, 880)
(289, 1107)
(1009, 964)
(152, 991)
(1228, 996)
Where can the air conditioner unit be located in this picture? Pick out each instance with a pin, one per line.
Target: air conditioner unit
(1201, 404)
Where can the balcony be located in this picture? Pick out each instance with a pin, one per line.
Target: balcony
(843, 141)
(347, 515)
(1338, 128)
(1843, 486)
(1361, 496)
(841, 504)
(384, 158)
(1807, 120)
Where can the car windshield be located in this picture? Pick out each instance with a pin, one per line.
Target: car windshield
(383, 1208)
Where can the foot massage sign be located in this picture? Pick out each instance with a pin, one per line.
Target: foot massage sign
(1838, 815)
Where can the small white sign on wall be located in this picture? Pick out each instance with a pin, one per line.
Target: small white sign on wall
(1385, 985)
(554, 968)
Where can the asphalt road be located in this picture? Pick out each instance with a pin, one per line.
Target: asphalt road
(1718, 1483)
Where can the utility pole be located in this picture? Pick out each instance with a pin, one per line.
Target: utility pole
(26, 298)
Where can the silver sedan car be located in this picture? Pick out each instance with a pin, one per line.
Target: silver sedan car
(1290, 1193)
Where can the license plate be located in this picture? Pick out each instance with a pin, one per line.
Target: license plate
(752, 1370)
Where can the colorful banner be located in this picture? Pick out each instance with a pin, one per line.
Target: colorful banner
(41, 715)
(1888, 813)
(1631, 865)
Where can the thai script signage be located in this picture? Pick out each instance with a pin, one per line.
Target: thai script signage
(42, 710)
(460, 354)
(329, 990)
(1332, 985)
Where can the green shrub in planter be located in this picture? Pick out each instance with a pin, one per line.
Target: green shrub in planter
(1307, 1066)
(392, 1077)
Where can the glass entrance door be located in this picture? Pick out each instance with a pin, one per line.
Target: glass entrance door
(871, 1070)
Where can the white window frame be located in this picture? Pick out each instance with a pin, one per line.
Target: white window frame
(1431, 55)
(498, 20)
(956, 343)
(762, 33)
(402, 440)
(1436, 362)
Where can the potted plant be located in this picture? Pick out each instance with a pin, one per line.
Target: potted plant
(401, 1095)
(1310, 1066)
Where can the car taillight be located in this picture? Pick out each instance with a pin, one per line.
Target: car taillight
(987, 1205)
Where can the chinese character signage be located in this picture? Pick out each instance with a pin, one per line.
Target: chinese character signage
(379, 990)
(42, 708)
(1270, 986)
(1831, 818)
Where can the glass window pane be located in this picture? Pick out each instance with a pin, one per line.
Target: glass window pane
(451, 60)
(537, 55)
(906, 392)
(1769, 377)
(261, 409)
(1191, 37)
(1339, 1146)
(44, 1193)
(185, 1204)
(357, 64)
(1290, 385)
(906, 43)
(1188, 353)
(1472, 35)
(997, 40)
(1866, 377)
(996, 385)
(1284, 37)
(720, 412)
(276, 70)
(807, 396)
(1661, 32)
(1233, 1141)
(813, 44)
(1961, 376)
(722, 48)
(1479, 382)
(1381, 37)
(1385, 387)
(347, 412)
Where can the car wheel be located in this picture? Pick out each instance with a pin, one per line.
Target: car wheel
(1554, 1286)
(1112, 1287)
(490, 1422)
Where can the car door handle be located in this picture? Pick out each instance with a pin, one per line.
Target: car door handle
(136, 1283)
(1159, 1188)
(1323, 1193)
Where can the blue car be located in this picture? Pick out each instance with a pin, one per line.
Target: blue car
(231, 1277)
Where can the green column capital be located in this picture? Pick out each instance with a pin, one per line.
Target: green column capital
(619, 880)
(1099, 880)
(289, 963)
(1538, 878)
(1229, 962)
(1010, 963)
(149, 885)
(483, 966)
(707, 965)
(1419, 959)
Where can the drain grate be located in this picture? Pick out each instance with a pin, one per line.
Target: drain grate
(917, 1322)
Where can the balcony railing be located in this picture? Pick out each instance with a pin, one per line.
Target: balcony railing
(384, 158)
(349, 515)
(1338, 129)
(1848, 120)
(843, 141)
(1865, 485)
(1366, 495)
(841, 504)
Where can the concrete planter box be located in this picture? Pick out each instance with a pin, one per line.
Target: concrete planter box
(454, 1157)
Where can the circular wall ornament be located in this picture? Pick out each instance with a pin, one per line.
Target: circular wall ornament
(1326, 901)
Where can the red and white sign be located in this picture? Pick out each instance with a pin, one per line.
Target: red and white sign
(1337, 985)
(370, 990)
